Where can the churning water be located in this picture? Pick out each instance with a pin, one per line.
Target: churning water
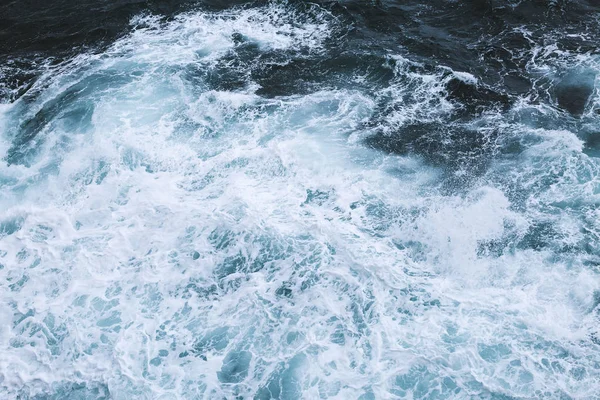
(284, 200)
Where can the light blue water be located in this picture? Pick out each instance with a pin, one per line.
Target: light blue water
(161, 239)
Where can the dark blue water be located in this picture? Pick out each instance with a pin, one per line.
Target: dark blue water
(294, 200)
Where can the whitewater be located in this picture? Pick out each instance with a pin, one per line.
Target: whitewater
(172, 226)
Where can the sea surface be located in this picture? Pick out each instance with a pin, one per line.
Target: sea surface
(299, 200)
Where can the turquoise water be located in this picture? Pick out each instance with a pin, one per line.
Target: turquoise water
(164, 237)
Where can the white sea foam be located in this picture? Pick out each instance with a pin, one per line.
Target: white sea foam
(181, 241)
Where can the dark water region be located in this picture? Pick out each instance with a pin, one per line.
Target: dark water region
(497, 42)
(35, 34)
(491, 39)
(291, 199)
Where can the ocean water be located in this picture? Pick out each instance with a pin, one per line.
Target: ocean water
(293, 200)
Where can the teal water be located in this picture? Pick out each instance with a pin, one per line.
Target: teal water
(169, 230)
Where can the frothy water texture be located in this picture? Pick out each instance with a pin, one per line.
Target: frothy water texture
(275, 201)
